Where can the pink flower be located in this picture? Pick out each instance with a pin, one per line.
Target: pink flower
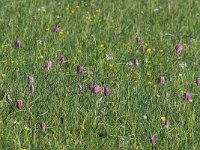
(48, 64)
(62, 59)
(187, 96)
(96, 89)
(161, 79)
(19, 104)
(142, 48)
(167, 123)
(80, 69)
(18, 43)
(178, 48)
(91, 85)
(137, 39)
(56, 29)
(152, 139)
(43, 126)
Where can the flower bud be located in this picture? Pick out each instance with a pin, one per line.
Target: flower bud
(48, 64)
(161, 79)
(142, 48)
(31, 80)
(187, 96)
(80, 69)
(106, 91)
(19, 104)
(56, 29)
(178, 48)
(18, 43)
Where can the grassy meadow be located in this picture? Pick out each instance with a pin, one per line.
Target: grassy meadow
(99, 74)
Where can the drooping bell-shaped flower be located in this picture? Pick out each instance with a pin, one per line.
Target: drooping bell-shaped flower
(56, 29)
(142, 48)
(62, 59)
(18, 43)
(161, 79)
(80, 69)
(106, 91)
(43, 126)
(48, 64)
(19, 104)
(31, 80)
(178, 48)
(152, 139)
(167, 124)
(187, 96)
(137, 39)
(96, 89)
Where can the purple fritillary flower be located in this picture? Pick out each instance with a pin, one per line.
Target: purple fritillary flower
(91, 85)
(142, 48)
(80, 69)
(137, 39)
(31, 80)
(136, 62)
(161, 79)
(178, 48)
(106, 91)
(152, 139)
(62, 59)
(19, 104)
(18, 43)
(96, 89)
(43, 126)
(48, 64)
(167, 124)
(56, 29)
(198, 80)
(187, 96)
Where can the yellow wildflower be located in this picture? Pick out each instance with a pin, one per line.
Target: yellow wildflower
(3, 75)
(72, 11)
(82, 127)
(2, 46)
(22, 148)
(67, 9)
(149, 50)
(79, 51)
(148, 73)
(47, 29)
(77, 7)
(111, 66)
(98, 10)
(163, 118)
(61, 32)
(158, 96)
(149, 82)
(160, 50)
(154, 85)
(146, 44)
(12, 61)
(101, 45)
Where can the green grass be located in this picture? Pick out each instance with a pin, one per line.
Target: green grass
(78, 119)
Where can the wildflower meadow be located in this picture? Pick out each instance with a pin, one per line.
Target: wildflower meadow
(99, 74)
